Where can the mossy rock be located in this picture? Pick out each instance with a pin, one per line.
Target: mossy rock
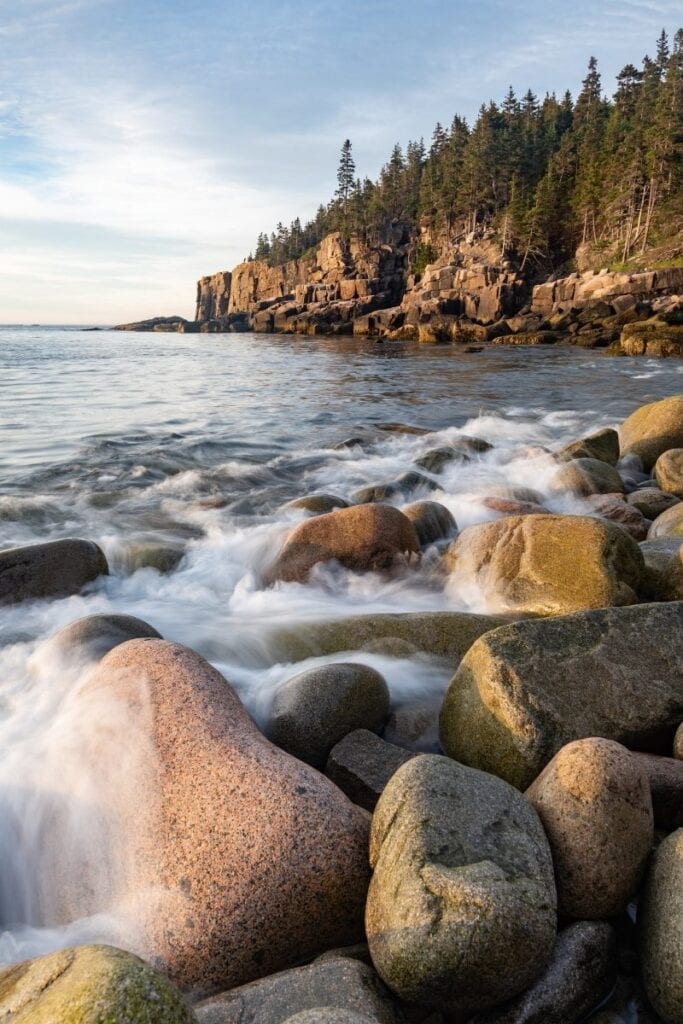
(89, 985)
(653, 429)
(652, 337)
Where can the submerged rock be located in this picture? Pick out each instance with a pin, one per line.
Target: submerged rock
(660, 918)
(317, 504)
(317, 708)
(331, 985)
(411, 481)
(580, 975)
(432, 521)
(461, 907)
(653, 429)
(55, 569)
(525, 690)
(93, 636)
(89, 985)
(594, 801)
(547, 564)
(264, 858)
(669, 472)
(602, 445)
(364, 537)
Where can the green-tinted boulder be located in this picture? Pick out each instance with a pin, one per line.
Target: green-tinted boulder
(653, 429)
(603, 445)
(669, 471)
(461, 906)
(89, 985)
(547, 564)
(441, 634)
(653, 337)
(587, 476)
(525, 690)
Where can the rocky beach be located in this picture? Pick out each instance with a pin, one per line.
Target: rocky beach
(381, 724)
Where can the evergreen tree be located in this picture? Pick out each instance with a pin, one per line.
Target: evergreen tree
(346, 180)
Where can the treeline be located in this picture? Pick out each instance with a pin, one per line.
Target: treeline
(549, 174)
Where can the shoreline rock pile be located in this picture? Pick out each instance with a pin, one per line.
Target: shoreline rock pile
(527, 867)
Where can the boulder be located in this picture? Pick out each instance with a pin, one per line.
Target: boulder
(651, 501)
(669, 472)
(89, 985)
(668, 523)
(525, 690)
(361, 765)
(547, 564)
(264, 858)
(603, 445)
(461, 906)
(317, 708)
(148, 555)
(665, 777)
(364, 537)
(318, 504)
(678, 743)
(405, 484)
(514, 507)
(436, 459)
(337, 984)
(653, 429)
(587, 476)
(432, 521)
(90, 638)
(55, 569)
(660, 917)
(594, 801)
(580, 975)
(613, 508)
(441, 634)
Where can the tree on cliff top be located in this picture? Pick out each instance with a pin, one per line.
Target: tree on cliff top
(346, 180)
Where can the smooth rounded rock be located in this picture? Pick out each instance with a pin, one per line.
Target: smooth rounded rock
(90, 638)
(55, 569)
(317, 504)
(678, 743)
(660, 917)
(436, 459)
(594, 801)
(412, 481)
(580, 975)
(669, 472)
(264, 858)
(432, 521)
(651, 501)
(653, 429)
(668, 523)
(364, 537)
(603, 445)
(526, 689)
(315, 710)
(461, 907)
(665, 777)
(587, 476)
(613, 508)
(89, 985)
(547, 564)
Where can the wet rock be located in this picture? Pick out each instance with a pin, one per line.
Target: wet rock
(663, 579)
(669, 472)
(512, 507)
(660, 917)
(361, 765)
(525, 690)
(461, 906)
(678, 743)
(594, 801)
(148, 555)
(350, 442)
(314, 710)
(651, 501)
(90, 638)
(411, 481)
(89, 985)
(441, 634)
(665, 776)
(263, 859)
(587, 476)
(668, 524)
(436, 459)
(364, 537)
(580, 975)
(613, 508)
(55, 569)
(653, 429)
(335, 984)
(603, 445)
(432, 521)
(547, 564)
(414, 727)
(318, 504)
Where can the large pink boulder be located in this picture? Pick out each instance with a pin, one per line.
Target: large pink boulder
(263, 859)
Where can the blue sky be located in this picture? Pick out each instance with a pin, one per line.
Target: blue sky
(144, 143)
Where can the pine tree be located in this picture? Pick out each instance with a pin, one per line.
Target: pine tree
(346, 179)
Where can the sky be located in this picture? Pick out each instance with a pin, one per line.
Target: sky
(145, 143)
